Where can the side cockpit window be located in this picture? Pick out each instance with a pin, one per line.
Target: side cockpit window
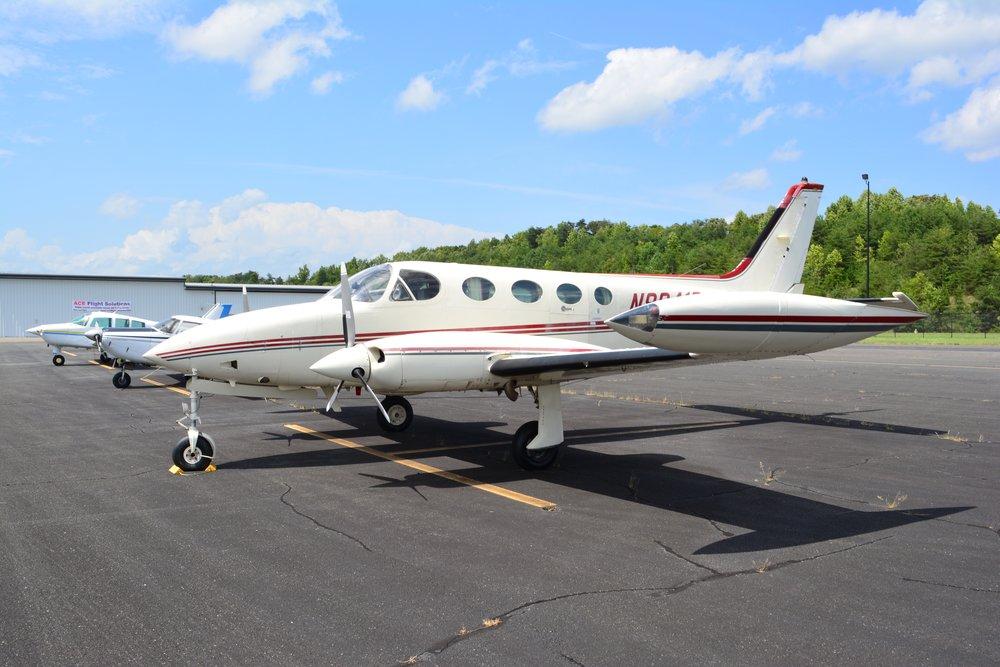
(422, 286)
(400, 292)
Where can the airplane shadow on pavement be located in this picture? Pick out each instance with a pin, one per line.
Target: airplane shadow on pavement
(770, 518)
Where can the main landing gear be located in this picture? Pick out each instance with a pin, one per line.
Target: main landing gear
(400, 414)
(536, 444)
(58, 359)
(195, 451)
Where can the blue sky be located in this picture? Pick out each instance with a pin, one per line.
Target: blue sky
(166, 137)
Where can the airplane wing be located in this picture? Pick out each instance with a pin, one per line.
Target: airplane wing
(583, 365)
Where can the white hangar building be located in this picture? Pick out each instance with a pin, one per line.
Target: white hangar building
(28, 299)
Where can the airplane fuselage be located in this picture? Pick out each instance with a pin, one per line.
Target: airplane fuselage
(277, 346)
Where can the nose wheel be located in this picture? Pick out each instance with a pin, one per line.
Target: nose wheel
(104, 359)
(58, 360)
(400, 414)
(193, 458)
(121, 379)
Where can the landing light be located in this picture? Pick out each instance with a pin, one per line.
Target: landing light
(643, 317)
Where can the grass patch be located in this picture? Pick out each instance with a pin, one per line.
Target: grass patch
(937, 338)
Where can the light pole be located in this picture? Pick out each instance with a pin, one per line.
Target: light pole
(868, 239)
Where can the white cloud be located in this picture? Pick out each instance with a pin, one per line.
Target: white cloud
(13, 59)
(951, 42)
(973, 129)
(419, 95)
(121, 206)
(50, 21)
(755, 179)
(321, 84)
(241, 231)
(805, 110)
(753, 124)
(521, 61)
(637, 84)
(787, 152)
(276, 39)
(6, 155)
(889, 42)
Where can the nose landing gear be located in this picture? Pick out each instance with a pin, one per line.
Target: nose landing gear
(121, 379)
(195, 451)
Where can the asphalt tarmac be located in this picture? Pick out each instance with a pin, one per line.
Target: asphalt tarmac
(840, 508)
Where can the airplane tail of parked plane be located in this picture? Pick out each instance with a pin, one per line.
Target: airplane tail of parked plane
(775, 261)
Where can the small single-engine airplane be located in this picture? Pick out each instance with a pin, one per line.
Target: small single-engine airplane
(128, 345)
(74, 334)
(405, 328)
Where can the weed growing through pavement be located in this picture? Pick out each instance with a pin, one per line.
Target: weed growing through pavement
(892, 503)
(491, 622)
(956, 437)
(768, 475)
(761, 568)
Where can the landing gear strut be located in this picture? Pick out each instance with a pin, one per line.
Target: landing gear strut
(195, 451)
(104, 359)
(536, 444)
(400, 414)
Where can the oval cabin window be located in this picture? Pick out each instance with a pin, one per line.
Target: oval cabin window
(478, 289)
(568, 293)
(526, 291)
(602, 295)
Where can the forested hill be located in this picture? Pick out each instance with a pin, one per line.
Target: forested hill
(943, 252)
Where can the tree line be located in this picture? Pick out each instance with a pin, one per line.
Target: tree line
(944, 253)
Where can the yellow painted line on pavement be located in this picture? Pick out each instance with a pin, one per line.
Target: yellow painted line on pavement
(69, 353)
(97, 363)
(176, 390)
(423, 467)
(445, 448)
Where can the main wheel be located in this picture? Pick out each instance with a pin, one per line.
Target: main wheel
(531, 459)
(104, 359)
(121, 380)
(400, 414)
(193, 460)
(58, 360)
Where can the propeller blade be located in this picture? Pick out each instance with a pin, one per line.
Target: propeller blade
(333, 397)
(361, 378)
(246, 300)
(347, 307)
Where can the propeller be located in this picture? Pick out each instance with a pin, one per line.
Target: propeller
(352, 355)
(246, 300)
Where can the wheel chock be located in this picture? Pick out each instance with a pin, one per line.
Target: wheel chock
(174, 470)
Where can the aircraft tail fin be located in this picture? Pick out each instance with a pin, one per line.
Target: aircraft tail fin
(775, 261)
(218, 311)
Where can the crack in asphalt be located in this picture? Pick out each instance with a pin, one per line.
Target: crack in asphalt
(944, 585)
(58, 480)
(288, 503)
(713, 575)
(572, 660)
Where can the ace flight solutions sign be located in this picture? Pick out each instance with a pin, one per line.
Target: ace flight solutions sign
(107, 305)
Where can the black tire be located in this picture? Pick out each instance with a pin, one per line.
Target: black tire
(121, 380)
(104, 359)
(401, 412)
(58, 360)
(204, 452)
(537, 459)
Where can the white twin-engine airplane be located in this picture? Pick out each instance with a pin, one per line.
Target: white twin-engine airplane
(74, 334)
(411, 327)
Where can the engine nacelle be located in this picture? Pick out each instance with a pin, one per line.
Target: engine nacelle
(760, 324)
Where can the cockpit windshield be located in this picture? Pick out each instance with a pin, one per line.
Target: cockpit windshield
(367, 286)
(80, 320)
(166, 326)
